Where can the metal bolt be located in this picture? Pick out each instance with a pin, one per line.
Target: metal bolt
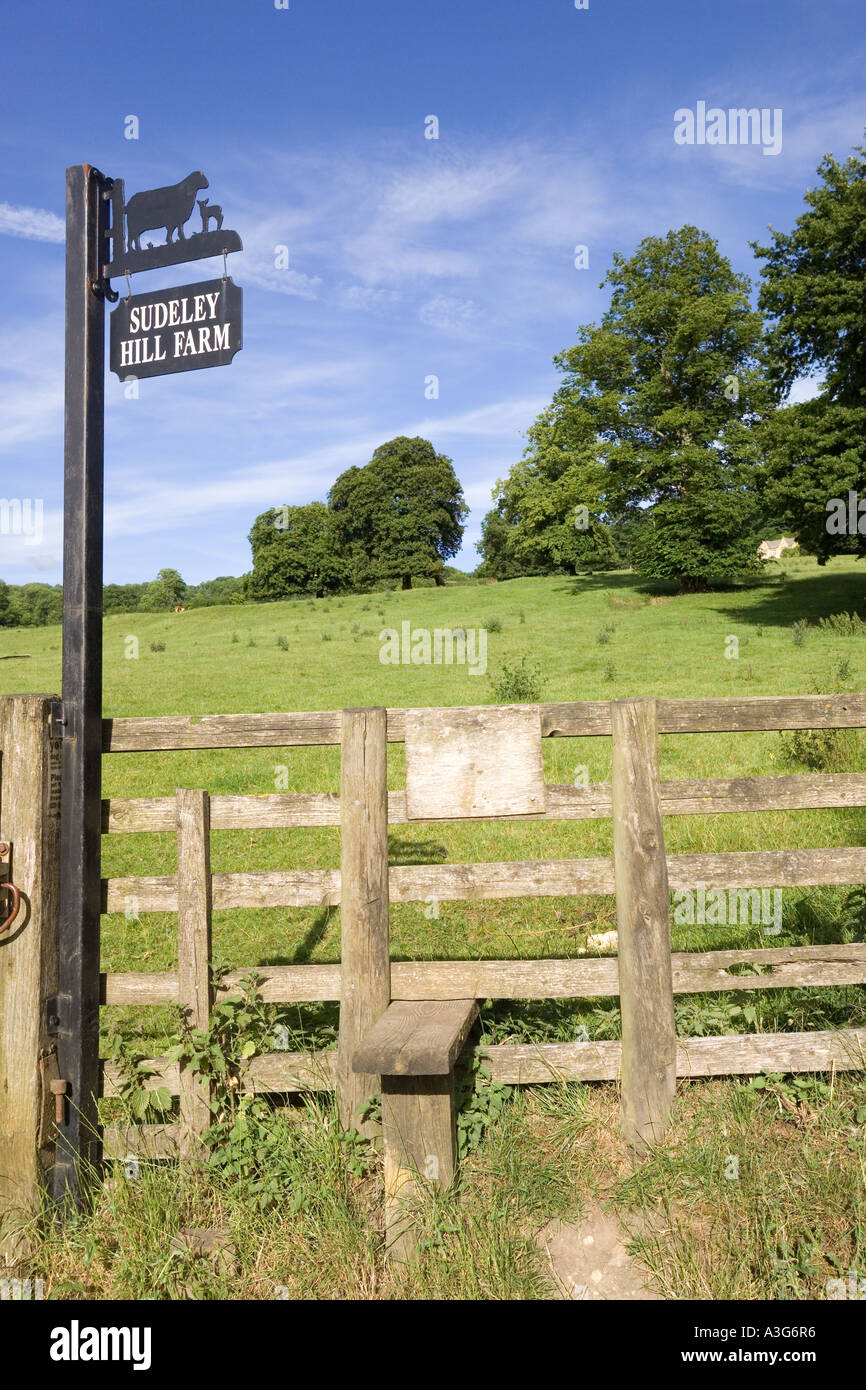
(59, 1090)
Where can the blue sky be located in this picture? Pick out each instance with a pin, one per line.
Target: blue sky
(408, 257)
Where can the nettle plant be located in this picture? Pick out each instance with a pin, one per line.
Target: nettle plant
(246, 1144)
(142, 1104)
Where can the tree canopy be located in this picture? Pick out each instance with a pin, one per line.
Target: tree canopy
(400, 516)
(812, 295)
(295, 551)
(652, 416)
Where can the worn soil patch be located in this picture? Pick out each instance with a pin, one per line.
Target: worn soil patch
(589, 1260)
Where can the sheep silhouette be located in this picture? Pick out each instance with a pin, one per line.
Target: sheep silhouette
(208, 211)
(167, 208)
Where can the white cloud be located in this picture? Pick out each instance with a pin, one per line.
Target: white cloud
(34, 224)
(451, 315)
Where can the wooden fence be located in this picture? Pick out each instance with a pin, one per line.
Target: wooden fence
(486, 763)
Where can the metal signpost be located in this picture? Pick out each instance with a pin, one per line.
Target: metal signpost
(151, 334)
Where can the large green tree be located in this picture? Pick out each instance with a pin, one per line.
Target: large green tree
(167, 590)
(653, 421)
(548, 510)
(400, 516)
(813, 296)
(295, 551)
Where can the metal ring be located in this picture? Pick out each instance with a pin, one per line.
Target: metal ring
(16, 903)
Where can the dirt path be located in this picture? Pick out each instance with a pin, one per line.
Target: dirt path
(589, 1259)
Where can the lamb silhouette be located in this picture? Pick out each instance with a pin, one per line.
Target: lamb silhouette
(208, 211)
(168, 207)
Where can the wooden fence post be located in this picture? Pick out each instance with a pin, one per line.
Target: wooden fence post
(193, 952)
(30, 821)
(649, 1038)
(365, 976)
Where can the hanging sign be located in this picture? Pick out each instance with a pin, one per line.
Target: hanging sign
(177, 330)
(165, 213)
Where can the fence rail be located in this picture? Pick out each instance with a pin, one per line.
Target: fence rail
(676, 972)
(645, 974)
(578, 719)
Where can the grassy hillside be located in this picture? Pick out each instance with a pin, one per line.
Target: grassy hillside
(590, 638)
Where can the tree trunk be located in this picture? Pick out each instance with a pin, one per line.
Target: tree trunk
(407, 581)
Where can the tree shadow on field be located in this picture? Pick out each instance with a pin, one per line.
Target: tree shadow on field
(415, 851)
(613, 581)
(303, 951)
(818, 596)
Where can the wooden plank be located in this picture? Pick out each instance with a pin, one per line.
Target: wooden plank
(726, 715)
(740, 1055)
(519, 879)
(365, 977)
(785, 868)
(649, 1035)
(193, 954)
(141, 1141)
(290, 1071)
(30, 822)
(575, 719)
(699, 796)
(272, 812)
(486, 764)
(525, 1064)
(139, 987)
(795, 792)
(694, 972)
(179, 731)
(418, 1038)
(420, 1144)
(522, 879)
(273, 1071)
(757, 712)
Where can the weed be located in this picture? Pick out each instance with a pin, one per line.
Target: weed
(519, 682)
(843, 624)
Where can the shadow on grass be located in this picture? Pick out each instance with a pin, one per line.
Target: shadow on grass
(818, 596)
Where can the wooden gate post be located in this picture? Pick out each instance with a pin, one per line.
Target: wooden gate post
(365, 975)
(194, 895)
(649, 1037)
(30, 822)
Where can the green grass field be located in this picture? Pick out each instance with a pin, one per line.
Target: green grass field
(794, 1217)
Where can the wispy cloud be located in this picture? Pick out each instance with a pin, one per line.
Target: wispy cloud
(34, 224)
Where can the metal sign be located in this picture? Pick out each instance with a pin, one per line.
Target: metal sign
(165, 210)
(177, 330)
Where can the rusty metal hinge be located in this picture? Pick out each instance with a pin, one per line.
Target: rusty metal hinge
(9, 912)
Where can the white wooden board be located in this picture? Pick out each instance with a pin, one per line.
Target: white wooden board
(485, 762)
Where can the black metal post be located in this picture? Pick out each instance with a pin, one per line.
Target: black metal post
(80, 844)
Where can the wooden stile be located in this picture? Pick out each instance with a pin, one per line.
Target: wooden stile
(649, 1038)
(414, 1046)
(194, 953)
(365, 977)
